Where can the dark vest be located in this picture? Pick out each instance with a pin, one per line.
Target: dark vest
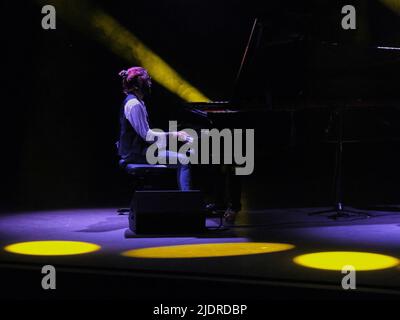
(131, 147)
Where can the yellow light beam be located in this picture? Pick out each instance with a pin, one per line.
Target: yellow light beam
(392, 4)
(93, 21)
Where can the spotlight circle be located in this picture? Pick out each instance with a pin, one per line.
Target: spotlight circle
(207, 250)
(52, 248)
(337, 260)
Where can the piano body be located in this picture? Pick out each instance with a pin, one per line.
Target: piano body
(302, 86)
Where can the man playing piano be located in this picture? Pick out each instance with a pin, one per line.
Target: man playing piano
(134, 125)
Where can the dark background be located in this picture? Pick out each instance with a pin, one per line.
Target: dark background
(61, 98)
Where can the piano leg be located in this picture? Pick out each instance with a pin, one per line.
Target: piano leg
(227, 191)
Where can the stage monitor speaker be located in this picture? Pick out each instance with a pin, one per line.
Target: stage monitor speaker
(167, 212)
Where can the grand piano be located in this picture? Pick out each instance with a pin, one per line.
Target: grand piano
(298, 86)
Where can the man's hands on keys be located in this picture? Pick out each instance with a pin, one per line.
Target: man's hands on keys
(182, 136)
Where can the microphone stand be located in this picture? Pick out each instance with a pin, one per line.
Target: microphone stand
(338, 210)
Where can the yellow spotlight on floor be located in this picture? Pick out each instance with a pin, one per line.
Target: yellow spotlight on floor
(336, 260)
(208, 250)
(52, 248)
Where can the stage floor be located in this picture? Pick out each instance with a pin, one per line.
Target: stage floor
(228, 276)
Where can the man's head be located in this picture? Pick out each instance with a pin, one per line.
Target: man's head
(136, 80)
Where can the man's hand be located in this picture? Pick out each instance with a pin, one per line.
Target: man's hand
(182, 136)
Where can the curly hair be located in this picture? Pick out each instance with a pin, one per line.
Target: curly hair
(135, 79)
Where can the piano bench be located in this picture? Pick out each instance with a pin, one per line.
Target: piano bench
(144, 169)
